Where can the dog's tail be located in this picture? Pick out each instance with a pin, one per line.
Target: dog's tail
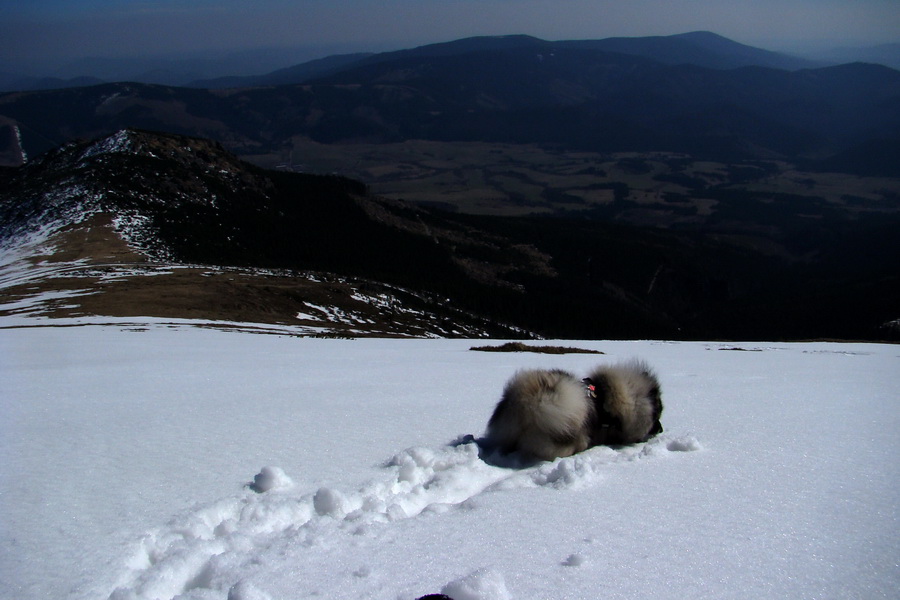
(541, 414)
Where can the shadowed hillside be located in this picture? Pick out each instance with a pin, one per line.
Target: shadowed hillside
(178, 200)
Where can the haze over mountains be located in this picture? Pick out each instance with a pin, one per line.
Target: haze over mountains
(696, 93)
(253, 67)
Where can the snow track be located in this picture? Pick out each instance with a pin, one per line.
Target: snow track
(199, 553)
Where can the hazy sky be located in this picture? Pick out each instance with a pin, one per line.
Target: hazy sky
(59, 29)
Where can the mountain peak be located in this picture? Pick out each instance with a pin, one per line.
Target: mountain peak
(464, 46)
(135, 175)
(121, 142)
(741, 54)
(702, 35)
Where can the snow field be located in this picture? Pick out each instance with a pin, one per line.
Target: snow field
(141, 464)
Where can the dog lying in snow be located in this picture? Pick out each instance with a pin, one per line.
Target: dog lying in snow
(546, 414)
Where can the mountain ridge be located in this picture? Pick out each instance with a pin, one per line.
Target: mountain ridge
(699, 47)
(572, 97)
(139, 223)
(202, 233)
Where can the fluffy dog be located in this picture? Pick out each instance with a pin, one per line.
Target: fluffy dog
(545, 414)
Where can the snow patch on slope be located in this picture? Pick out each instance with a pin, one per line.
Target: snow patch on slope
(118, 143)
(75, 198)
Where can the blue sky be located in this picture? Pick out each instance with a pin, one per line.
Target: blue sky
(56, 30)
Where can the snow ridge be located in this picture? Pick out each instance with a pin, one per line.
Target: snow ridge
(213, 551)
(118, 143)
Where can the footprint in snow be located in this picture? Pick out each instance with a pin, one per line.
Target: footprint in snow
(199, 550)
(574, 560)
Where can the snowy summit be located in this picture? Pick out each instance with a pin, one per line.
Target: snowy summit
(147, 460)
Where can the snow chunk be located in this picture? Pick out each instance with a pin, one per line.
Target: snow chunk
(270, 478)
(244, 590)
(329, 502)
(684, 444)
(570, 472)
(483, 584)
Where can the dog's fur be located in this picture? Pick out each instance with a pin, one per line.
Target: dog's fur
(548, 414)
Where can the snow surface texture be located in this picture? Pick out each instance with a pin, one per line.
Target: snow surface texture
(173, 461)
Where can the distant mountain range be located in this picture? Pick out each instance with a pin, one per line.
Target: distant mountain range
(687, 93)
(176, 69)
(152, 224)
(703, 49)
(697, 48)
